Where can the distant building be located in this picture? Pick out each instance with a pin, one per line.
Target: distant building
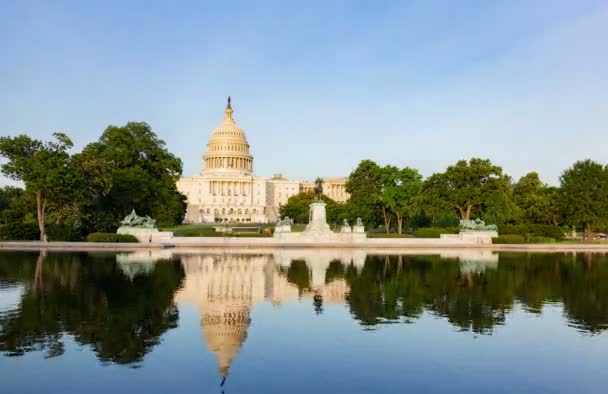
(227, 190)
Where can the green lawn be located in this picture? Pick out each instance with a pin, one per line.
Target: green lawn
(580, 241)
(207, 230)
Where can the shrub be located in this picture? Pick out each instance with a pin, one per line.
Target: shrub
(62, 232)
(509, 239)
(391, 235)
(542, 240)
(532, 230)
(19, 232)
(111, 237)
(434, 232)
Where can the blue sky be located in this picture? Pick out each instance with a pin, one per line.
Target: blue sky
(318, 86)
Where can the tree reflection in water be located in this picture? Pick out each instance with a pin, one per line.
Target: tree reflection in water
(121, 309)
(88, 297)
(390, 288)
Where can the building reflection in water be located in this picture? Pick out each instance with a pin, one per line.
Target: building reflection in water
(225, 287)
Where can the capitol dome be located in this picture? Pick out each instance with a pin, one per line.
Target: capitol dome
(228, 149)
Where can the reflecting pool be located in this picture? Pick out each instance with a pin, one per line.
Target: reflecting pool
(302, 321)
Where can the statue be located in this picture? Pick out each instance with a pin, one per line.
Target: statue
(359, 222)
(132, 220)
(318, 188)
(287, 221)
(345, 222)
(229, 106)
(476, 225)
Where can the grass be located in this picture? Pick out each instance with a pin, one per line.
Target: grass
(208, 230)
(583, 241)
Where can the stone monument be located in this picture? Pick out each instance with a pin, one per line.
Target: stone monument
(475, 231)
(345, 228)
(283, 226)
(317, 229)
(317, 220)
(143, 228)
(358, 227)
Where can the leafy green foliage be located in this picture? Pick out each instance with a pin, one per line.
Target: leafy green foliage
(391, 235)
(364, 185)
(584, 194)
(509, 239)
(131, 169)
(535, 201)
(111, 237)
(467, 185)
(400, 190)
(19, 232)
(14, 205)
(63, 232)
(532, 230)
(298, 207)
(434, 232)
(542, 240)
(46, 169)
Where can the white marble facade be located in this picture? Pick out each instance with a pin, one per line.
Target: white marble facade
(228, 191)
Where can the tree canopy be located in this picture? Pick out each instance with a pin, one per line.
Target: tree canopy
(466, 185)
(364, 185)
(584, 194)
(46, 169)
(298, 207)
(131, 168)
(536, 202)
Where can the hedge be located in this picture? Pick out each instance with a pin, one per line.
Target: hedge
(434, 232)
(111, 237)
(62, 232)
(391, 235)
(532, 230)
(509, 239)
(19, 232)
(542, 240)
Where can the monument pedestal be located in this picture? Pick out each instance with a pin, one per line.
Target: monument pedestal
(146, 235)
(317, 220)
(318, 231)
(472, 236)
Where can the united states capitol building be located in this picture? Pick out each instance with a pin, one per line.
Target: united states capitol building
(228, 191)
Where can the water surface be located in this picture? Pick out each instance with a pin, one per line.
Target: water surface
(302, 321)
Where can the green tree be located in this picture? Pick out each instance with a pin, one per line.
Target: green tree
(131, 168)
(46, 169)
(497, 206)
(14, 205)
(466, 185)
(298, 207)
(535, 201)
(584, 194)
(364, 185)
(401, 188)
